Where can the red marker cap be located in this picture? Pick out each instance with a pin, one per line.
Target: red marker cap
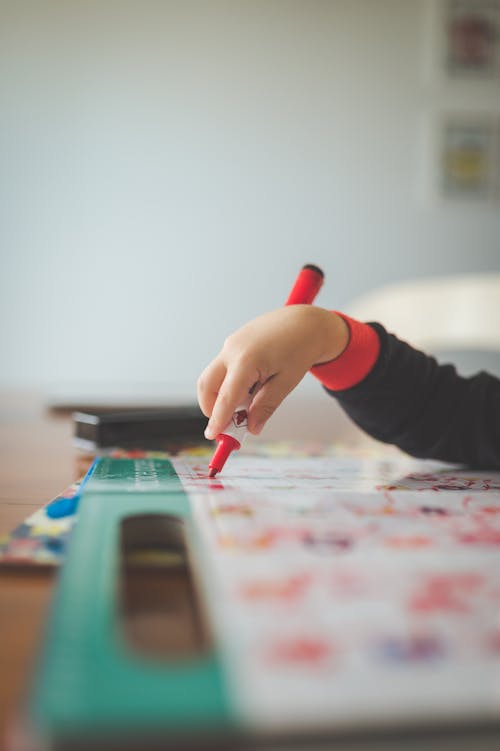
(225, 444)
(306, 286)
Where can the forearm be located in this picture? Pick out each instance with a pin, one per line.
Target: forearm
(406, 398)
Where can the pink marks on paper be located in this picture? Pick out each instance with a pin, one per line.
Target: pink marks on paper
(446, 593)
(477, 506)
(481, 531)
(289, 589)
(408, 542)
(315, 540)
(439, 481)
(311, 651)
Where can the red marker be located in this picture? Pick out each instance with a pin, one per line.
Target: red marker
(306, 287)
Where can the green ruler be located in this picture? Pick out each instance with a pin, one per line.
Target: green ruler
(133, 536)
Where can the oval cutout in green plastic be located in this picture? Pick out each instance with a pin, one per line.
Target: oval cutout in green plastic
(159, 613)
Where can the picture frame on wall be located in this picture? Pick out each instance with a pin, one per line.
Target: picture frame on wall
(472, 38)
(468, 157)
(460, 127)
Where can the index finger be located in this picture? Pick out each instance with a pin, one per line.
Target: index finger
(209, 384)
(235, 391)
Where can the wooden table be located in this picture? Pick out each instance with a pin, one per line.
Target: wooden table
(37, 461)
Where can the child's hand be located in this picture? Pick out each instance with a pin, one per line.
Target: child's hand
(274, 351)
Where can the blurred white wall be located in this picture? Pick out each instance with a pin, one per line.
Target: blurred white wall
(167, 166)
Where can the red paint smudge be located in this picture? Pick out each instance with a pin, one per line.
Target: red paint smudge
(301, 650)
(290, 589)
(409, 543)
(446, 592)
(482, 535)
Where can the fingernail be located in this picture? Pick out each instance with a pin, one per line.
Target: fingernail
(209, 434)
(259, 427)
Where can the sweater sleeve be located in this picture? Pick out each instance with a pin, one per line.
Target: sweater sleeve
(427, 409)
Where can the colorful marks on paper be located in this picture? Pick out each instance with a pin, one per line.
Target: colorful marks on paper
(342, 583)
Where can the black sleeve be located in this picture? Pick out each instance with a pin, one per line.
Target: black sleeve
(425, 408)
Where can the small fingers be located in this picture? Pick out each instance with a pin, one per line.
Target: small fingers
(209, 384)
(233, 392)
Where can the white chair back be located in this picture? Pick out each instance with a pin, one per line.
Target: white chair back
(460, 312)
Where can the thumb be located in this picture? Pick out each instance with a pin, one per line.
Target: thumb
(269, 398)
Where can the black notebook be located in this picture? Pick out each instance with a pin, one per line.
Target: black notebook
(146, 427)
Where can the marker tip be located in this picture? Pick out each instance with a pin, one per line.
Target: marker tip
(212, 472)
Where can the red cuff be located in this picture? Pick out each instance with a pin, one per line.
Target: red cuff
(355, 362)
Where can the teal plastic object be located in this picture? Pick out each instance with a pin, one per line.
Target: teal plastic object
(89, 682)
